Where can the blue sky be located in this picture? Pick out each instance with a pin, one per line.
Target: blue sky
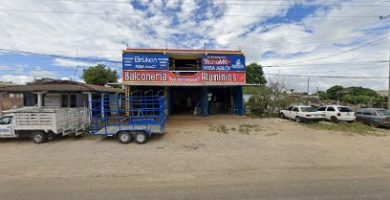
(58, 39)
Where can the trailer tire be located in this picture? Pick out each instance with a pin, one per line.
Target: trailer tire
(140, 137)
(39, 137)
(124, 137)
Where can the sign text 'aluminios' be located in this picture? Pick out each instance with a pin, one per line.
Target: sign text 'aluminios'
(170, 78)
(223, 63)
(145, 62)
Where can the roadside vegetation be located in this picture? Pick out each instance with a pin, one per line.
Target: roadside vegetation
(355, 128)
(266, 101)
(246, 129)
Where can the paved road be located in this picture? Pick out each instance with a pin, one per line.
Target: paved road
(377, 188)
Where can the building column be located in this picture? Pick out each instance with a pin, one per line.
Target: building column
(89, 105)
(240, 101)
(1, 103)
(127, 100)
(40, 99)
(102, 104)
(167, 100)
(69, 99)
(204, 102)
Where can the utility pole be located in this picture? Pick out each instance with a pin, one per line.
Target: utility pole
(308, 85)
(388, 88)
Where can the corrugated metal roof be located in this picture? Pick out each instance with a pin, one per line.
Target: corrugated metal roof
(60, 86)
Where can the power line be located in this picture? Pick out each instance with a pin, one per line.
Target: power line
(141, 14)
(330, 77)
(338, 63)
(336, 54)
(63, 57)
(178, 2)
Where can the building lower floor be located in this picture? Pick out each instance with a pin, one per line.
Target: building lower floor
(196, 100)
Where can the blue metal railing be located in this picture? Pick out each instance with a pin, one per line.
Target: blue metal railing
(127, 113)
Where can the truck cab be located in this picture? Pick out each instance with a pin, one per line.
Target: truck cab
(7, 126)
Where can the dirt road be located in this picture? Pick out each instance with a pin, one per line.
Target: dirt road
(220, 157)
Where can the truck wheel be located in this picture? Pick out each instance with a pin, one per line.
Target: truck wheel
(124, 137)
(39, 137)
(140, 137)
(334, 119)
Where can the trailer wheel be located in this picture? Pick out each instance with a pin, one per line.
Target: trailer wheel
(140, 137)
(124, 137)
(39, 136)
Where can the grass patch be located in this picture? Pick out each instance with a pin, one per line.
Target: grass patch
(350, 128)
(219, 129)
(242, 129)
(247, 128)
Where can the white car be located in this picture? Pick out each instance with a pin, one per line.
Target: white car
(336, 113)
(301, 114)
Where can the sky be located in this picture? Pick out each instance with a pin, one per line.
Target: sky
(293, 40)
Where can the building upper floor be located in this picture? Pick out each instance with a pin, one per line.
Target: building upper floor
(177, 66)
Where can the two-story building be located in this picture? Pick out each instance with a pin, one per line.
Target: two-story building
(201, 82)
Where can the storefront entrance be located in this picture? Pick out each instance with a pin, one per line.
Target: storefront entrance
(185, 100)
(205, 100)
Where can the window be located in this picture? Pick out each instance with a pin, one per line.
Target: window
(295, 109)
(383, 112)
(321, 108)
(308, 109)
(5, 120)
(344, 109)
(73, 101)
(367, 112)
(331, 109)
(359, 112)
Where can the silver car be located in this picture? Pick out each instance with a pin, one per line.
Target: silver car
(376, 117)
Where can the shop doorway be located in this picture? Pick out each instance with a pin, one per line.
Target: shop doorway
(185, 100)
(221, 100)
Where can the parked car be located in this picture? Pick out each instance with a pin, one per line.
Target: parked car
(375, 117)
(336, 113)
(301, 114)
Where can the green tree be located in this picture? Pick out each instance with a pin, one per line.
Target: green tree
(335, 92)
(100, 74)
(255, 74)
(268, 100)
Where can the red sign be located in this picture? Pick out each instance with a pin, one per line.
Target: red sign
(171, 78)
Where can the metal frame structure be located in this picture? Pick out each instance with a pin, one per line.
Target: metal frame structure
(136, 113)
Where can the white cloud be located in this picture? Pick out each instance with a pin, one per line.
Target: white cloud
(4, 68)
(19, 79)
(71, 63)
(103, 29)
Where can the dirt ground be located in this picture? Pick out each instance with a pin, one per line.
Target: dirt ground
(220, 147)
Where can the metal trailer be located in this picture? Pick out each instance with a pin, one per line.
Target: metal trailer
(128, 118)
(41, 124)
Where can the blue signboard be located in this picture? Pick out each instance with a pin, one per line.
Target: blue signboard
(145, 62)
(223, 63)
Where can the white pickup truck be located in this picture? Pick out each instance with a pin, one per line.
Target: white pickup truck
(41, 124)
(302, 114)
